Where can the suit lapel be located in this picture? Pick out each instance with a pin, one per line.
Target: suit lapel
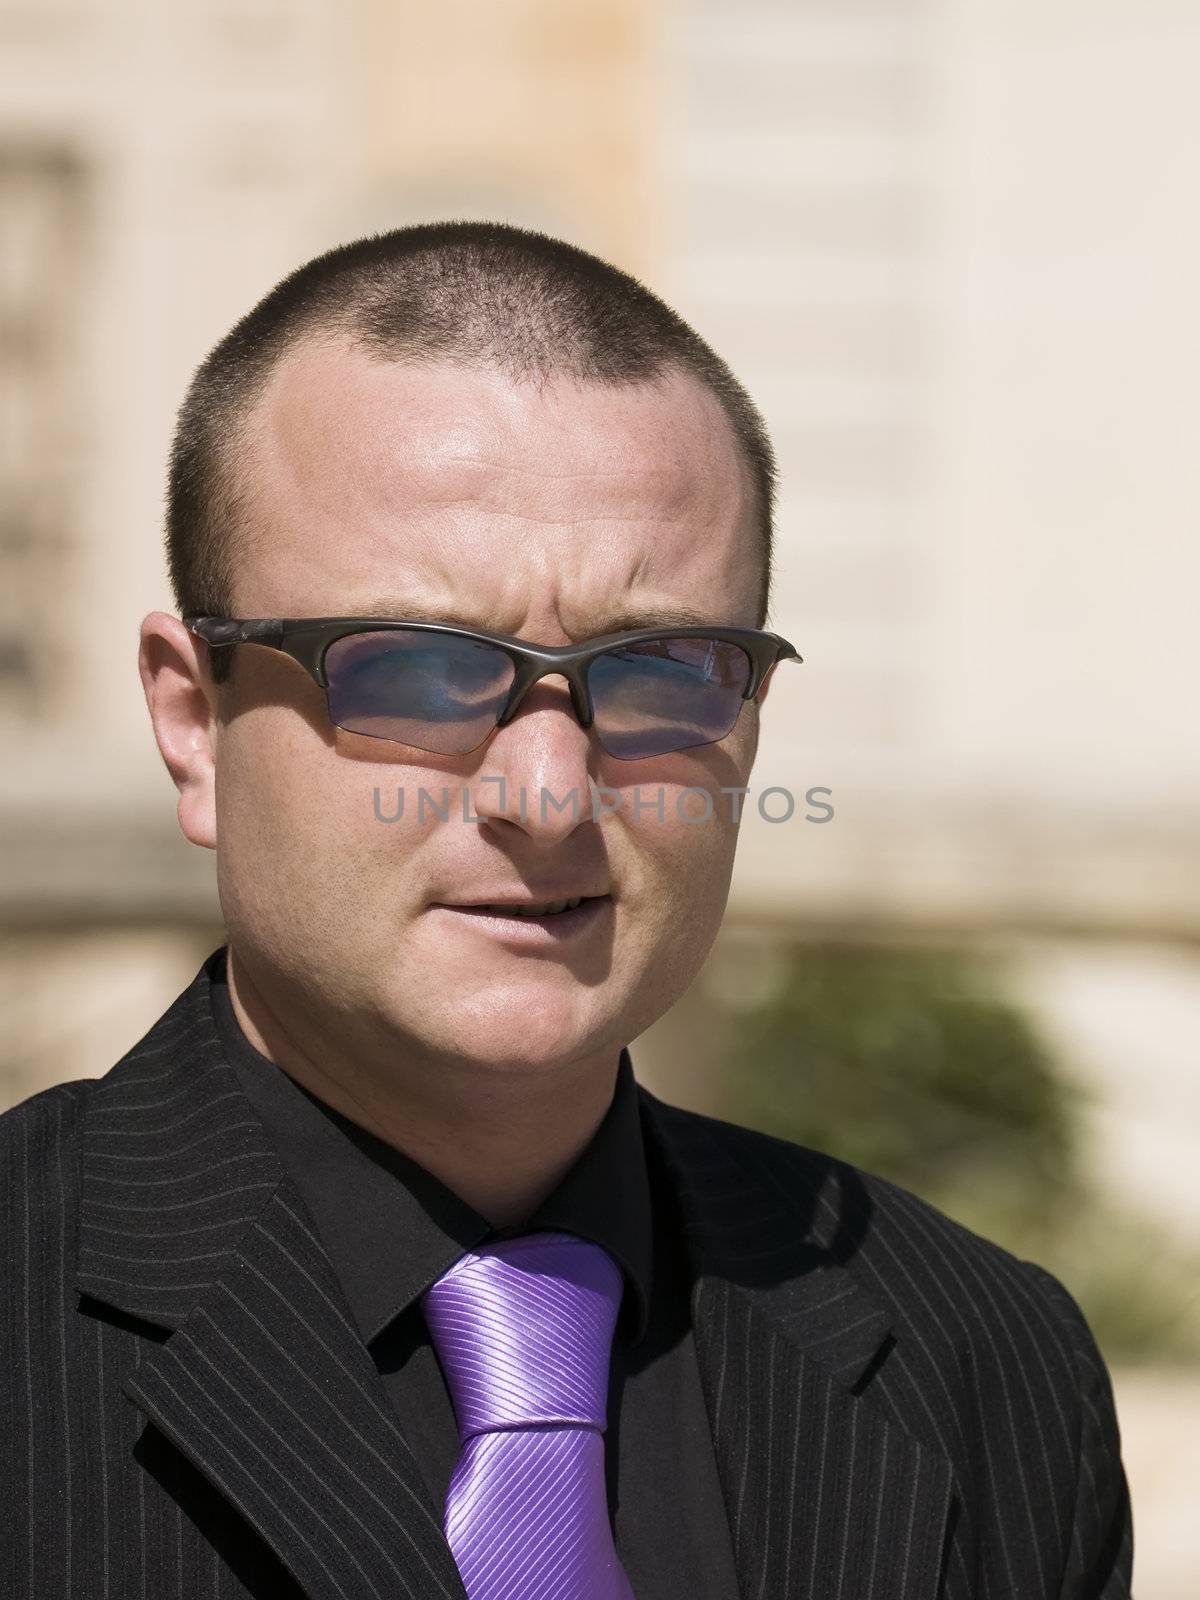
(828, 1496)
(187, 1220)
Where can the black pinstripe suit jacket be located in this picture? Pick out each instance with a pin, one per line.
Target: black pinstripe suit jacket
(900, 1410)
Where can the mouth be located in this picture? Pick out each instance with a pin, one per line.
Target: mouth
(554, 917)
(548, 908)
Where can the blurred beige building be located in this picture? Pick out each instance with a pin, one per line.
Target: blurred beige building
(951, 248)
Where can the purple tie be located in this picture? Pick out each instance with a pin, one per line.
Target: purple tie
(523, 1329)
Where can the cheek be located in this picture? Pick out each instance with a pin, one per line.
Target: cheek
(680, 839)
(681, 812)
(299, 843)
(676, 887)
(679, 848)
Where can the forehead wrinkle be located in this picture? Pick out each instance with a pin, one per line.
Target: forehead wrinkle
(575, 519)
(526, 469)
(642, 495)
(626, 619)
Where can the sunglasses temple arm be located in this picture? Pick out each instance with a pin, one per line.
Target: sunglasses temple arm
(219, 632)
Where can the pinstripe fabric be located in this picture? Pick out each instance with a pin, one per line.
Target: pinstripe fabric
(900, 1410)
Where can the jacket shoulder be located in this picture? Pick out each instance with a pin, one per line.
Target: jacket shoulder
(39, 1140)
(42, 1132)
(39, 1184)
(45, 1122)
(963, 1295)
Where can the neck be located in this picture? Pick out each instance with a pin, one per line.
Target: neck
(500, 1140)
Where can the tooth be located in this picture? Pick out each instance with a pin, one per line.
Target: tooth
(550, 908)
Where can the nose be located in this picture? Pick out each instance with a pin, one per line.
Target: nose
(536, 769)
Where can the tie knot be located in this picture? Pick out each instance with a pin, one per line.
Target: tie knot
(523, 1330)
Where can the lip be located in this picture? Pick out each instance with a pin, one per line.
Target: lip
(554, 929)
(524, 896)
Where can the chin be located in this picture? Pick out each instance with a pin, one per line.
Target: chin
(530, 1028)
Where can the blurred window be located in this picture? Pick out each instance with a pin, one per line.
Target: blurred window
(42, 223)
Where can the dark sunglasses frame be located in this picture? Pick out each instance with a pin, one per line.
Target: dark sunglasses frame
(306, 640)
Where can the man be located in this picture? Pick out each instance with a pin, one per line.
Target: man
(371, 1270)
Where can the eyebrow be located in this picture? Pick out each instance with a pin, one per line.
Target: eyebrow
(620, 622)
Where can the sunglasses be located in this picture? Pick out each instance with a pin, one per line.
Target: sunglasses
(445, 689)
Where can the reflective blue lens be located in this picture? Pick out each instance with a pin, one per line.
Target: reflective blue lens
(669, 694)
(432, 691)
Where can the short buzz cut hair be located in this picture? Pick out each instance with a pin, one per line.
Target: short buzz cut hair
(477, 294)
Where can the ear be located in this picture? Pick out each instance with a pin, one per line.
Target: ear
(765, 685)
(181, 698)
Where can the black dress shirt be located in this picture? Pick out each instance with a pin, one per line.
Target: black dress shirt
(392, 1229)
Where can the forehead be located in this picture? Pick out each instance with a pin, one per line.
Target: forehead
(463, 491)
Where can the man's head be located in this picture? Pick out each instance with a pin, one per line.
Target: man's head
(473, 424)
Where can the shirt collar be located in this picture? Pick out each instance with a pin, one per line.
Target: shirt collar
(392, 1228)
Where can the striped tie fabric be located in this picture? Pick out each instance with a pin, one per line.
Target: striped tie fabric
(523, 1330)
